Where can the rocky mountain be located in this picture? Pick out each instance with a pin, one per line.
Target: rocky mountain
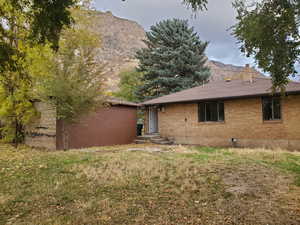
(121, 38)
(221, 71)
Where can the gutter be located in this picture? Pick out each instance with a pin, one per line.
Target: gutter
(222, 98)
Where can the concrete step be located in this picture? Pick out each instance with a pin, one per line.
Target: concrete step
(148, 136)
(137, 141)
(153, 138)
(152, 135)
(165, 142)
(158, 139)
(144, 138)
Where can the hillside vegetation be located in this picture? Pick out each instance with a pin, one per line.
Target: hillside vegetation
(121, 38)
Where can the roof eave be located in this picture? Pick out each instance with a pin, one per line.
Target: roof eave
(123, 104)
(220, 98)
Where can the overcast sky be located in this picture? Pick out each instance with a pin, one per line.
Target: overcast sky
(211, 25)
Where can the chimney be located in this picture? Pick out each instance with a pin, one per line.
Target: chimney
(247, 74)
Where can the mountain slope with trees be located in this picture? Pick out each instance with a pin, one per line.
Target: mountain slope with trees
(121, 38)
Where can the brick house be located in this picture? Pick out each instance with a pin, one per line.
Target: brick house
(113, 124)
(227, 113)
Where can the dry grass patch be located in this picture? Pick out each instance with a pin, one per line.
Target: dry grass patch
(179, 185)
(261, 153)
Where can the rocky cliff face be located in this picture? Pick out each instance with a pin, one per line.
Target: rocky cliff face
(121, 38)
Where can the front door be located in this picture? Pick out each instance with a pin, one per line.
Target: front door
(153, 120)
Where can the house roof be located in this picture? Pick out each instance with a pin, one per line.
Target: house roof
(224, 90)
(116, 101)
(110, 100)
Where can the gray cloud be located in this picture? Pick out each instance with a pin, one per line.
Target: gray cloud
(212, 25)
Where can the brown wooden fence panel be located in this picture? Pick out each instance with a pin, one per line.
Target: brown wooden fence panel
(115, 125)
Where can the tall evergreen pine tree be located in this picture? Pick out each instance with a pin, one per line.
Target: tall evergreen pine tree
(173, 59)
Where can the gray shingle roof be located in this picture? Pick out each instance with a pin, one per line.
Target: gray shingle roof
(116, 101)
(224, 90)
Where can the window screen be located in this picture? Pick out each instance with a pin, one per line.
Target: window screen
(271, 108)
(211, 111)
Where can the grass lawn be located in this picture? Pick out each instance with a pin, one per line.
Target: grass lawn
(147, 184)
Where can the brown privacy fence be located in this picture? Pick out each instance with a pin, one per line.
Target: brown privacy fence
(108, 126)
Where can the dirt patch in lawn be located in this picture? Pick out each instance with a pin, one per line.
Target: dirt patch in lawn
(4, 198)
(255, 180)
(262, 193)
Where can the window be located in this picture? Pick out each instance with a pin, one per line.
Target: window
(211, 111)
(271, 108)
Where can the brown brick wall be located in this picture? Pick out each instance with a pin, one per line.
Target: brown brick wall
(243, 120)
(42, 132)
